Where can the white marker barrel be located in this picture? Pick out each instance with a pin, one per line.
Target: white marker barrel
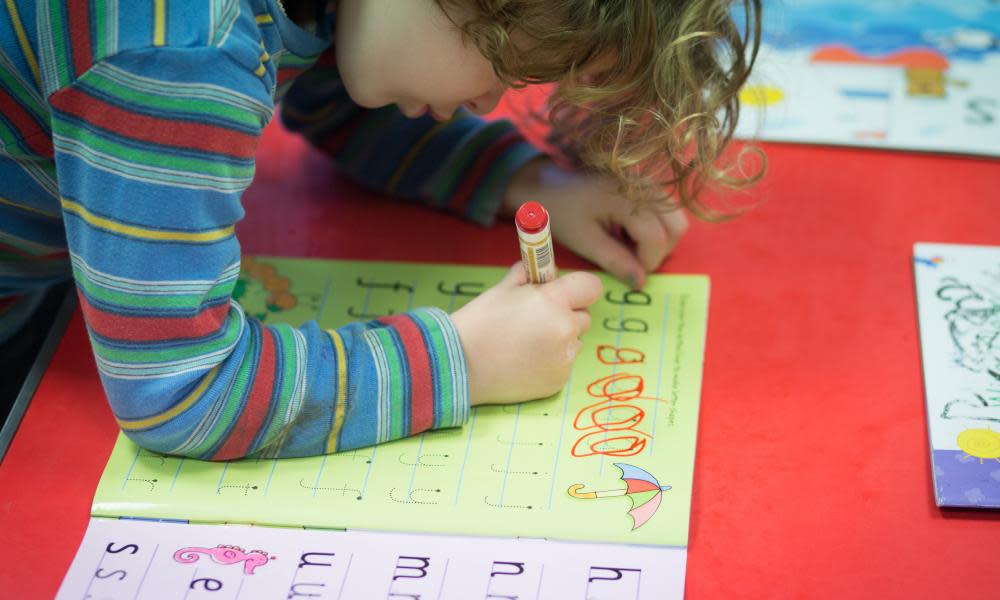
(532, 221)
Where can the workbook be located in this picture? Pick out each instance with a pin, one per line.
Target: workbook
(608, 460)
(146, 560)
(958, 300)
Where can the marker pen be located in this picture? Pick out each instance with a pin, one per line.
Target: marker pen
(532, 222)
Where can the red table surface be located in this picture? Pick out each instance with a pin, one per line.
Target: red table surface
(812, 477)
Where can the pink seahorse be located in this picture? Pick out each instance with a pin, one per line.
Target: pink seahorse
(225, 555)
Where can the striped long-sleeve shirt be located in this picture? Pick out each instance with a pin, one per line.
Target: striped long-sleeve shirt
(127, 135)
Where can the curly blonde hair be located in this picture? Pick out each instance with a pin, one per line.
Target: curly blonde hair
(647, 91)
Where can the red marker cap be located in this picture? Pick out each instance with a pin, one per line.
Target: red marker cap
(531, 217)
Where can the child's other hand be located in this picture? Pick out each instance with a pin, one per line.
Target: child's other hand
(521, 340)
(586, 210)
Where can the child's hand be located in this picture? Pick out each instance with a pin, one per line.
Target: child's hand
(586, 210)
(520, 340)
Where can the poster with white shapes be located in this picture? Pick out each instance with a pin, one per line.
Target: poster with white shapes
(908, 74)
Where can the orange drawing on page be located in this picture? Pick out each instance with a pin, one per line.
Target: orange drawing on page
(276, 287)
(611, 426)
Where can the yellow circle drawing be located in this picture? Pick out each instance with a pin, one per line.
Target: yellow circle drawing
(761, 95)
(980, 443)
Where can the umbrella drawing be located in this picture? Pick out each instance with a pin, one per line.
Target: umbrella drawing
(642, 489)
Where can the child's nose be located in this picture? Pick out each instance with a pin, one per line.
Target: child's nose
(484, 104)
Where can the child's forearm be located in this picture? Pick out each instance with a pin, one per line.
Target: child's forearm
(150, 205)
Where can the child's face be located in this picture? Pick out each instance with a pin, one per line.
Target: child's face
(409, 53)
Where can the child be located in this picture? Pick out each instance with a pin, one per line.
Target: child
(128, 135)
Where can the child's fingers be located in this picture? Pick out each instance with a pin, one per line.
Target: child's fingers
(515, 276)
(675, 223)
(582, 319)
(650, 237)
(579, 289)
(613, 256)
(573, 350)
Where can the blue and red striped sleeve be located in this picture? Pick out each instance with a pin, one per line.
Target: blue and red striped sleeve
(154, 142)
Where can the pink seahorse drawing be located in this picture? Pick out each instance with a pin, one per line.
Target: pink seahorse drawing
(225, 555)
